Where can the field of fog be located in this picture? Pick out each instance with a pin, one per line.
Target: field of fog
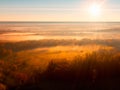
(38, 31)
(59, 56)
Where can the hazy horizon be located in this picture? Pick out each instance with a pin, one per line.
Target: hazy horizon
(64, 21)
(21, 31)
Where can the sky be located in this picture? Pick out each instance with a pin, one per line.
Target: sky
(58, 10)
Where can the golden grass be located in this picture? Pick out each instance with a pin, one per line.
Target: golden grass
(42, 56)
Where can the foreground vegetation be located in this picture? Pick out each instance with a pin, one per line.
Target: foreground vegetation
(30, 69)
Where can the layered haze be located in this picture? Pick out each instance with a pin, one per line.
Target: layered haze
(38, 31)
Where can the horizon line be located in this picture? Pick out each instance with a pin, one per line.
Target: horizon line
(59, 21)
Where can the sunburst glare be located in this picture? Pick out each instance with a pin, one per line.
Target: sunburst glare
(95, 9)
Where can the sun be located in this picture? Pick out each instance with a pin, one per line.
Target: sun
(95, 9)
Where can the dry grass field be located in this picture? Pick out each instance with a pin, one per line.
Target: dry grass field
(60, 65)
